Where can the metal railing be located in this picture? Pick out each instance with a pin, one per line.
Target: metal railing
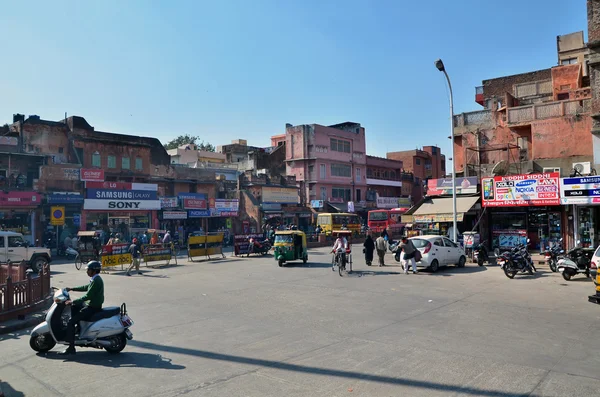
(522, 114)
(17, 297)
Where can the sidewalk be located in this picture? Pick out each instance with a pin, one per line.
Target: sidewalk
(29, 320)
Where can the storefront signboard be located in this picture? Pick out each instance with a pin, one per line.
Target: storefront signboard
(582, 190)
(105, 194)
(169, 202)
(242, 242)
(92, 175)
(115, 255)
(198, 214)
(70, 174)
(194, 204)
(509, 238)
(19, 199)
(65, 198)
(77, 220)
(196, 196)
(121, 205)
(437, 187)
(227, 205)
(9, 141)
(435, 218)
(387, 202)
(271, 206)
(224, 214)
(152, 187)
(404, 202)
(521, 190)
(175, 215)
(316, 203)
(157, 252)
(280, 195)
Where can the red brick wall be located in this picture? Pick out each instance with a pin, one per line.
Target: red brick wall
(568, 75)
(119, 151)
(46, 139)
(501, 85)
(593, 16)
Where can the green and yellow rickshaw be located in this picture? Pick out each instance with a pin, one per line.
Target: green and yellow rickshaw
(290, 245)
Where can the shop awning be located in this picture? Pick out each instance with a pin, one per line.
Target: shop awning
(439, 209)
(339, 207)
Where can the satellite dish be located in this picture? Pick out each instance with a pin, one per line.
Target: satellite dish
(500, 169)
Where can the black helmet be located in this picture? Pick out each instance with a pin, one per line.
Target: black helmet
(94, 265)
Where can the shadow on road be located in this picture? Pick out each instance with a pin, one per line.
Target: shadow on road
(8, 391)
(362, 273)
(121, 360)
(356, 376)
(309, 264)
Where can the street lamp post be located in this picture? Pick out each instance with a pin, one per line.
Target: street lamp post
(440, 66)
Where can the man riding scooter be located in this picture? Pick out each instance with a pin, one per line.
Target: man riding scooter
(80, 311)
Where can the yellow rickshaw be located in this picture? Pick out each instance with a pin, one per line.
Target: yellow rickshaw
(290, 245)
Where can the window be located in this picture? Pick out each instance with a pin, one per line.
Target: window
(338, 145)
(358, 195)
(341, 170)
(438, 242)
(16, 241)
(449, 243)
(569, 61)
(418, 161)
(112, 162)
(96, 162)
(60, 150)
(139, 165)
(323, 171)
(125, 163)
(434, 150)
(358, 176)
(2, 242)
(344, 194)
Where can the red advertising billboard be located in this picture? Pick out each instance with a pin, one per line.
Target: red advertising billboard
(521, 190)
(19, 199)
(194, 204)
(92, 175)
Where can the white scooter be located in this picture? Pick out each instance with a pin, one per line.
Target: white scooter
(108, 329)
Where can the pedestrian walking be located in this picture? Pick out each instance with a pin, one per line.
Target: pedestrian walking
(369, 248)
(135, 257)
(409, 250)
(381, 246)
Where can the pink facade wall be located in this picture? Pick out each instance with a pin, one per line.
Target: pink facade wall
(308, 148)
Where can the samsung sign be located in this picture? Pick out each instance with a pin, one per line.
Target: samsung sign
(121, 194)
(121, 205)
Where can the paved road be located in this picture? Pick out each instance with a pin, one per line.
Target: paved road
(245, 327)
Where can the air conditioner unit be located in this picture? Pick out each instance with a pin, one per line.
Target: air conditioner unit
(583, 167)
(551, 169)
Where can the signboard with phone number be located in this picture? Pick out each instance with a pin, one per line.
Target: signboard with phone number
(521, 190)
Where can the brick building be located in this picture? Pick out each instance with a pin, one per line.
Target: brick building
(388, 185)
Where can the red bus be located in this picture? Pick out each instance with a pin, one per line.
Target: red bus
(390, 219)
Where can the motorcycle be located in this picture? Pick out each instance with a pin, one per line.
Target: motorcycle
(516, 260)
(552, 255)
(108, 329)
(577, 261)
(480, 254)
(259, 247)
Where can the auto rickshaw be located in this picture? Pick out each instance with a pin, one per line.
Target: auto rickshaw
(88, 247)
(290, 245)
(596, 298)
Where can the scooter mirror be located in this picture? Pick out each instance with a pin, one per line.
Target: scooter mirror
(528, 240)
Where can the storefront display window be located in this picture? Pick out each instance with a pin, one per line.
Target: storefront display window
(16, 221)
(509, 229)
(585, 226)
(127, 224)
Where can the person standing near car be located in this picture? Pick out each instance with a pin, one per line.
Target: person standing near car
(381, 247)
(409, 250)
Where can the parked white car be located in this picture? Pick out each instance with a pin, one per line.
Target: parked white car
(14, 248)
(594, 264)
(438, 251)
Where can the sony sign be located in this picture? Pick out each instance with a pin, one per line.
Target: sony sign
(121, 205)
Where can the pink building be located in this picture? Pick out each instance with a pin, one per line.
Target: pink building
(329, 162)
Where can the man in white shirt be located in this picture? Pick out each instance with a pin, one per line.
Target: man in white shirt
(340, 244)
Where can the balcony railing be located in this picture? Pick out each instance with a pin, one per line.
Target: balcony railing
(473, 118)
(523, 114)
(535, 88)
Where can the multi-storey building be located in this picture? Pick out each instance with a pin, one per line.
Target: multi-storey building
(388, 185)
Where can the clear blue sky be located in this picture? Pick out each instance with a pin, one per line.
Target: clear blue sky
(242, 69)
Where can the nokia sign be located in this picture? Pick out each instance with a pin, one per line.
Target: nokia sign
(93, 204)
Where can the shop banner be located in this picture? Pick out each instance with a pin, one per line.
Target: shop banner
(174, 215)
(195, 196)
(194, 204)
(152, 187)
(521, 190)
(227, 205)
(169, 202)
(404, 202)
(435, 218)
(437, 187)
(271, 206)
(242, 242)
(280, 195)
(316, 203)
(71, 174)
(122, 205)
(115, 255)
(120, 194)
(509, 238)
(387, 202)
(19, 199)
(92, 175)
(9, 141)
(65, 198)
(583, 190)
(228, 213)
(157, 252)
(198, 214)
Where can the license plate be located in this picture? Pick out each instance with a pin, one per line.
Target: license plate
(128, 334)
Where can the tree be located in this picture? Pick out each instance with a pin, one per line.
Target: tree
(187, 140)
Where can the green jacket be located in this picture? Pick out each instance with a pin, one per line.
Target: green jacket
(94, 293)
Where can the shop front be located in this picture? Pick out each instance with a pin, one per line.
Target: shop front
(19, 212)
(435, 215)
(581, 196)
(127, 208)
(523, 207)
(72, 202)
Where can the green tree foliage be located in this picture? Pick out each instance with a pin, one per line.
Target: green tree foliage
(189, 139)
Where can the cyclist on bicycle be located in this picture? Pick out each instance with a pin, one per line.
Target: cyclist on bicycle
(339, 247)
